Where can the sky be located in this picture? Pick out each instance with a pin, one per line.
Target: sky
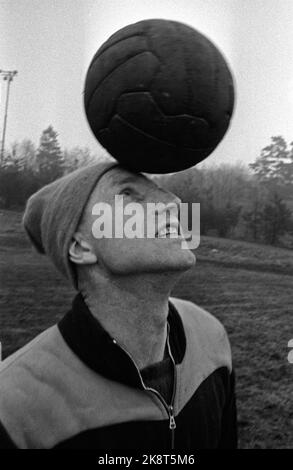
(51, 42)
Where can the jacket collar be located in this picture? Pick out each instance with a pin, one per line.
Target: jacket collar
(87, 338)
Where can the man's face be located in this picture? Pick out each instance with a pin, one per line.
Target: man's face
(156, 253)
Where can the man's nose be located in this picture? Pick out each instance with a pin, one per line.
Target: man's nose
(167, 197)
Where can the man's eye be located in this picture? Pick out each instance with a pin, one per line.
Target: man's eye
(126, 191)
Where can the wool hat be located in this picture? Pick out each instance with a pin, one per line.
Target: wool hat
(53, 213)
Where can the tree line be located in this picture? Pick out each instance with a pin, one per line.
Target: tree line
(26, 168)
(252, 203)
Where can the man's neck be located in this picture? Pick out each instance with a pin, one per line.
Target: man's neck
(134, 311)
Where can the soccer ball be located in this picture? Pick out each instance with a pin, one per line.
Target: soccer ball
(158, 96)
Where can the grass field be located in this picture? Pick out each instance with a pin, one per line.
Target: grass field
(247, 286)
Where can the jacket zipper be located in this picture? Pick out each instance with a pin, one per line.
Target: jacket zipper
(172, 422)
(169, 409)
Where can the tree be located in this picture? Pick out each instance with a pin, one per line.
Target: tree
(18, 176)
(252, 215)
(276, 218)
(9, 182)
(24, 155)
(275, 163)
(78, 157)
(287, 170)
(226, 219)
(49, 157)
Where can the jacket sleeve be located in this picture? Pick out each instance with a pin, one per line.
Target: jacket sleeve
(229, 432)
(5, 440)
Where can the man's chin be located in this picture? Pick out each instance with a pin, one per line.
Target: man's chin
(168, 258)
(178, 261)
(184, 262)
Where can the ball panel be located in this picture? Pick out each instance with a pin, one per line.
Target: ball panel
(145, 153)
(181, 130)
(115, 57)
(220, 95)
(131, 75)
(105, 47)
(169, 41)
(169, 87)
(193, 62)
(129, 31)
(199, 62)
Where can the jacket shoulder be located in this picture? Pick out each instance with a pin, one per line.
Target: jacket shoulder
(205, 332)
(18, 356)
(27, 379)
(199, 315)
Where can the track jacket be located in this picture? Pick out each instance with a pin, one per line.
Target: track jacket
(75, 387)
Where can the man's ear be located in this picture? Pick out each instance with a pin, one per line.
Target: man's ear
(81, 252)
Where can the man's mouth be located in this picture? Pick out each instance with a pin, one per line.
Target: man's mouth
(166, 230)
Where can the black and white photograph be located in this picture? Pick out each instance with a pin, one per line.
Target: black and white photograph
(146, 228)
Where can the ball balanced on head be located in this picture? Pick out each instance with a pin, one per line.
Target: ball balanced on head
(158, 96)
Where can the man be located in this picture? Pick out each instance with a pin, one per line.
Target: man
(128, 366)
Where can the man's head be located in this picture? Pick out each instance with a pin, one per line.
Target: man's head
(60, 220)
(151, 208)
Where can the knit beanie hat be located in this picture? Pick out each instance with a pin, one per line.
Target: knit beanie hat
(53, 213)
